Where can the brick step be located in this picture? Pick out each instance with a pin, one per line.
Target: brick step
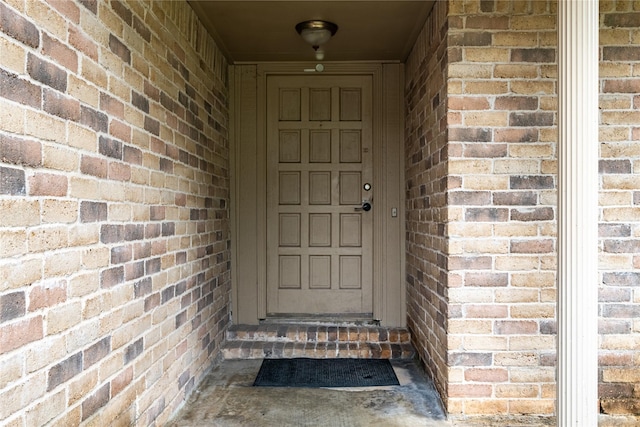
(316, 341)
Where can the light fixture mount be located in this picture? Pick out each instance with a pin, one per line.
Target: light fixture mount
(316, 32)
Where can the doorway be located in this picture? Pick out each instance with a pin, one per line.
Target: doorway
(319, 196)
(309, 153)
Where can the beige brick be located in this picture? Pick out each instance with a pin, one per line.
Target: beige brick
(487, 343)
(79, 89)
(491, 55)
(21, 395)
(485, 407)
(47, 19)
(12, 117)
(620, 117)
(516, 166)
(548, 295)
(532, 406)
(548, 166)
(533, 87)
(45, 411)
(515, 71)
(534, 279)
(548, 135)
(475, 71)
(486, 87)
(81, 387)
(462, 326)
(45, 127)
(59, 158)
(548, 198)
(16, 274)
(549, 71)
(615, 199)
(544, 342)
(615, 102)
(112, 191)
(627, 214)
(486, 246)
(120, 212)
(94, 305)
(84, 283)
(140, 176)
(613, 262)
(13, 58)
(470, 295)
(83, 188)
(531, 150)
(95, 258)
(516, 295)
(469, 166)
(548, 391)
(63, 317)
(625, 149)
(614, 37)
(516, 263)
(117, 87)
(62, 263)
(455, 88)
(614, 69)
(47, 238)
(20, 213)
(532, 375)
(487, 118)
(79, 338)
(532, 311)
(469, 230)
(619, 182)
(621, 375)
(82, 235)
(536, 22)
(519, 358)
(14, 242)
(518, 391)
(82, 138)
(11, 369)
(56, 211)
(515, 39)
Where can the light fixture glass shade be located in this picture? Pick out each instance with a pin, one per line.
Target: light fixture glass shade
(316, 32)
(315, 37)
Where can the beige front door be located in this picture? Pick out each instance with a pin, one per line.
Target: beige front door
(319, 166)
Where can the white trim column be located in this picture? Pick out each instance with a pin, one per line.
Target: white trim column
(577, 213)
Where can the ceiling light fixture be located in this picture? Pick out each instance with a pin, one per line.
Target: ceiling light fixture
(316, 33)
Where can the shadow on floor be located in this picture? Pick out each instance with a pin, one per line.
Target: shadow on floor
(227, 398)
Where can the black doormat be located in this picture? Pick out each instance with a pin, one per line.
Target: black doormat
(304, 372)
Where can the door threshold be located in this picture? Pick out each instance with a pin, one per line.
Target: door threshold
(320, 319)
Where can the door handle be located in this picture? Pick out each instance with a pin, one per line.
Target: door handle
(366, 206)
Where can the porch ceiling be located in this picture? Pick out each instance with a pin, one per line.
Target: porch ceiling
(264, 30)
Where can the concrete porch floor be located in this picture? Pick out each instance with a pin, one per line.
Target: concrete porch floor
(227, 398)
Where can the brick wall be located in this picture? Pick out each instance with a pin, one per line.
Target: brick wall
(619, 207)
(426, 185)
(114, 261)
(502, 220)
(496, 259)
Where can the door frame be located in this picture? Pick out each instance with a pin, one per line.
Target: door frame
(248, 163)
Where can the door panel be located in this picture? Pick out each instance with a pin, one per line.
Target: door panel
(319, 155)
